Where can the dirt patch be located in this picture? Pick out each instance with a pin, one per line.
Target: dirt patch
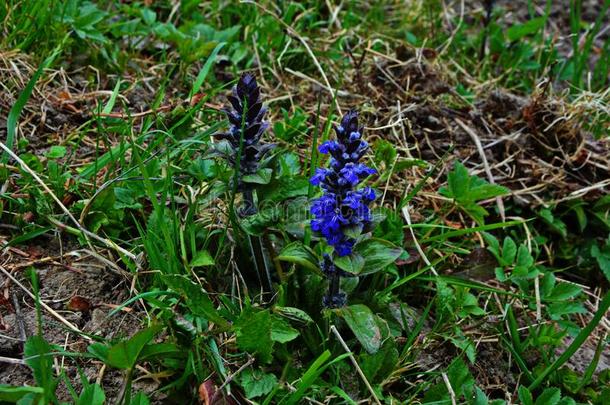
(537, 146)
(83, 291)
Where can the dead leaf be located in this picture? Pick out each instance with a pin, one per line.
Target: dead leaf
(79, 304)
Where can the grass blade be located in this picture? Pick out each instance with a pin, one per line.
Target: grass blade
(13, 115)
(203, 73)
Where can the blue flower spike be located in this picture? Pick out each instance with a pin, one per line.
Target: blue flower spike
(343, 206)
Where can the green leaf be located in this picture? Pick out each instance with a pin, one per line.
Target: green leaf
(284, 188)
(256, 383)
(15, 112)
(578, 341)
(565, 308)
(201, 259)
(524, 257)
(93, 394)
(564, 291)
(466, 190)
(494, 245)
(525, 396)
(352, 263)
(603, 257)
(509, 251)
(363, 324)
(161, 350)
(253, 332)
(140, 399)
(479, 397)
(298, 253)
(263, 176)
(458, 181)
(378, 366)
(482, 190)
(377, 254)
(519, 31)
(38, 357)
(459, 376)
(555, 224)
(289, 164)
(549, 396)
(124, 354)
(310, 376)
(56, 152)
(460, 380)
(13, 394)
(204, 169)
(293, 314)
(466, 345)
(197, 300)
(203, 73)
(281, 331)
(99, 350)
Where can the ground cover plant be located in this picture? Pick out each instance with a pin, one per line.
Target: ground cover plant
(304, 202)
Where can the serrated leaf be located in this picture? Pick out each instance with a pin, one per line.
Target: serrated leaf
(554, 223)
(494, 245)
(479, 397)
(93, 394)
(253, 332)
(570, 401)
(509, 251)
(564, 291)
(484, 191)
(603, 258)
(256, 383)
(457, 182)
(466, 190)
(524, 257)
(565, 308)
(525, 396)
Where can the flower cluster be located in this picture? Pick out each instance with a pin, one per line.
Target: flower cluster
(246, 112)
(343, 208)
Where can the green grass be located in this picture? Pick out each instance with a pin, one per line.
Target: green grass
(139, 171)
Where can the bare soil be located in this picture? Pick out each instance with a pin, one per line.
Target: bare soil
(80, 289)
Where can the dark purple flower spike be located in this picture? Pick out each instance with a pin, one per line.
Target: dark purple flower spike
(246, 112)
